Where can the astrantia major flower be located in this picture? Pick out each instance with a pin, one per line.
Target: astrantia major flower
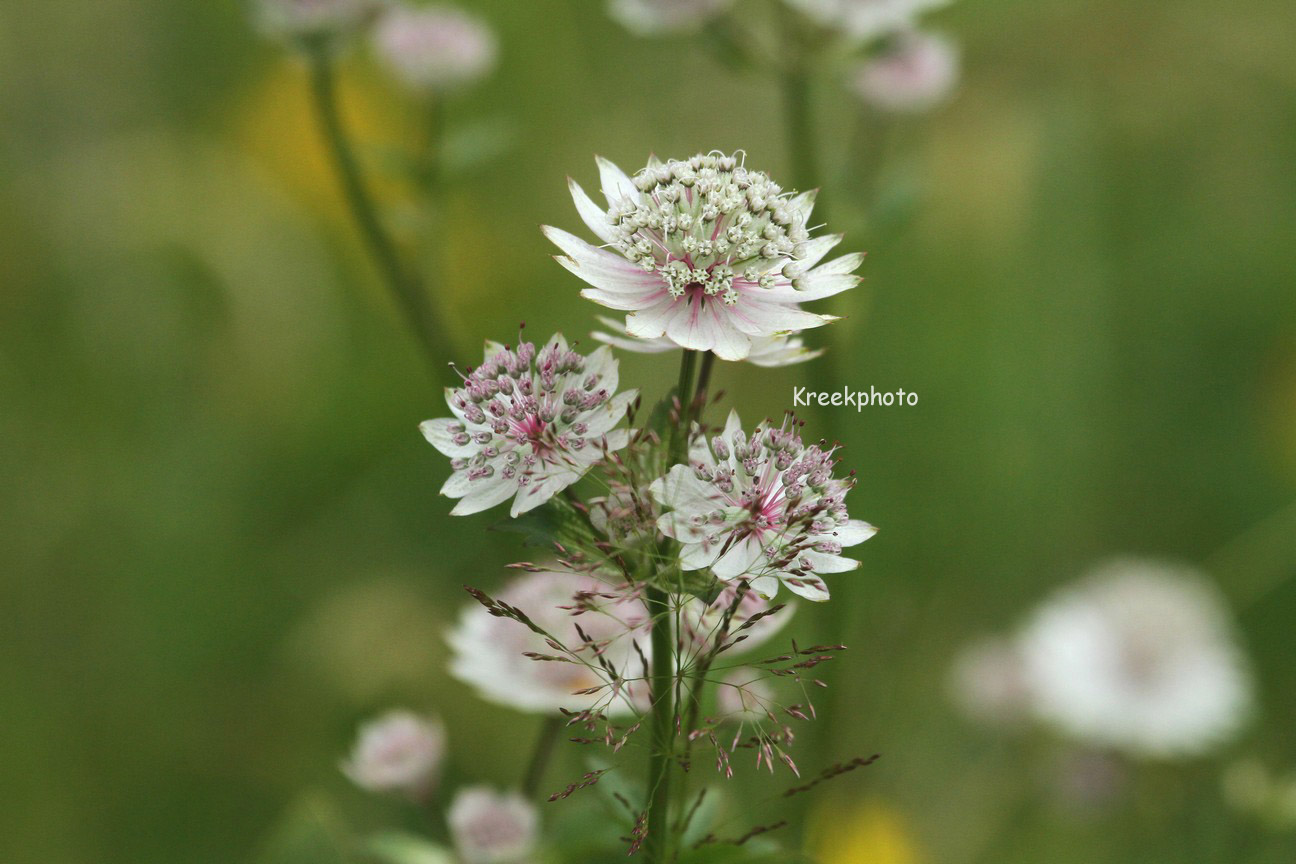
(397, 752)
(490, 652)
(653, 17)
(492, 828)
(527, 424)
(434, 49)
(1140, 656)
(766, 351)
(914, 73)
(704, 252)
(764, 508)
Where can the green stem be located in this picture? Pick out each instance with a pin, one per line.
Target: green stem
(540, 757)
(798, 118)
(405, 285)
(661, 721)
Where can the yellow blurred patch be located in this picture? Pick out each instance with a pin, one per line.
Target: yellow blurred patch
(277, 126)
(867, 832)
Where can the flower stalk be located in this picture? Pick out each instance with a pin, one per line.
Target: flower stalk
(406, 287)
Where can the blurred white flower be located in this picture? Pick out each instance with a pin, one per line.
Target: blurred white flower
(653, 17)
(766, 509)
(865, 20)
(708, 254)
(528, 424)
(398, 752)
(744, 695)
(434, 49)
(488, 651)
(988, 682)
(492, 828)
(914, 73)
(1141, 657)
(306, 20)
(766, 351)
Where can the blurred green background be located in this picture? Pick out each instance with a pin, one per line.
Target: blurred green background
(222, 542)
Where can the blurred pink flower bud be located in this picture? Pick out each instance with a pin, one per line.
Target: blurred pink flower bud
(398, 752)
(915, 73)
(492, 828)
(304, 20)
(434, 49)
(655, 17)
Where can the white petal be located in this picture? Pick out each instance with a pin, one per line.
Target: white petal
(616, 185)
(438, 434)
(738, 560)
(823, 283)
(594, 217)
(823, 563)
(816, 592)
(456, 485)
(817, 248)
(649, 323)
(607, 415)
(695, 556)
(604, 270)
(486, 495)
(853, 532)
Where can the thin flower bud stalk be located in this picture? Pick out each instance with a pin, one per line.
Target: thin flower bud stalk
(528, 423)
(704, 252)
(399, 752)
(764, 508)
(434, 49)
(492, 828)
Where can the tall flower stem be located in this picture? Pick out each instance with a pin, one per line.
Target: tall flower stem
(405, 285)
(661, 721)
(540, 756)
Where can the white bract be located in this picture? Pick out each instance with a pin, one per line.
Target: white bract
(489, 651)
(527, 424)
(865, 20)
(653, 17)
(700, 623)
(296, 20)
(492, 828)
(915, 73)
(766, 351)
(704, 252)
(766, 509)
(397, 752)
(434, 49)
(745, 695)
(1141, 657)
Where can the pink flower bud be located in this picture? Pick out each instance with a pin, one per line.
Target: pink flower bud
(492, 828)
(398, 752)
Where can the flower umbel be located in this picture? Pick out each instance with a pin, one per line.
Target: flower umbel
(528, 424)
(709, 254)
(312, 20)
(492, 828)
(915, 72)
(434, 49)
(766, 509)
(398, 752)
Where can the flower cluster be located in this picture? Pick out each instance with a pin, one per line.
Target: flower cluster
(398, 752)
(528, 423)
(434, 49)
(313, 20)
(1139, 656)
(913, 73)
(709, 254)
(764, 508)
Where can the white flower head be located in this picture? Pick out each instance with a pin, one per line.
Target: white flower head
(865, 20)
(764, 508)
(398, 752)
(704, 252)
(1141, 657)
(655, 17)
(766, 351)
(492, 828)
(527, 424)
(489, 652)
(313, 20)
(915, 73)
(434, 49)
(701, 623)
